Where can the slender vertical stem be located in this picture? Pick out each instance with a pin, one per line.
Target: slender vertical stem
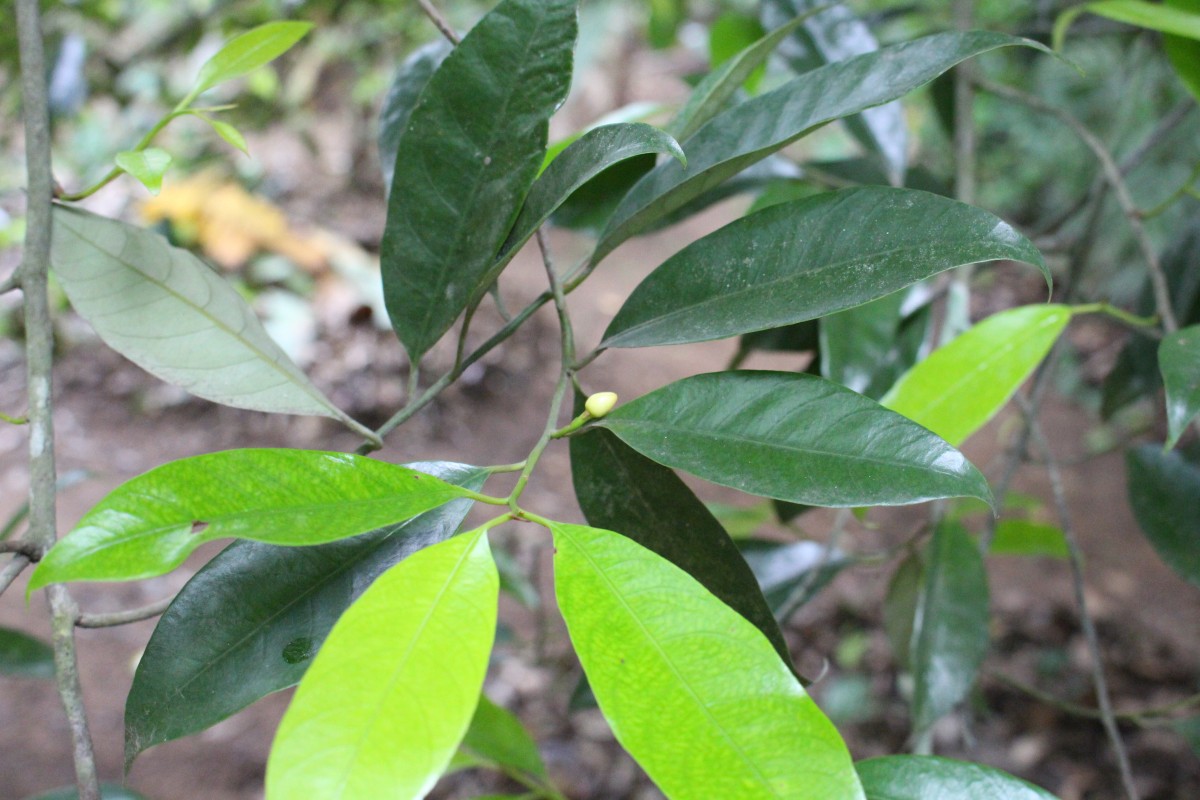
(39, 356)
(439, 21)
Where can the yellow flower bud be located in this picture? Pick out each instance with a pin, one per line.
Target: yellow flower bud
(600, 404)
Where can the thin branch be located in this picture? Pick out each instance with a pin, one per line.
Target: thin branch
(1143, 718)
(1112, 174)
(12, 282)
(439, 21)
(22, 547)
(116, 618)
(11, 570)
(39, 357)
(1075, 559)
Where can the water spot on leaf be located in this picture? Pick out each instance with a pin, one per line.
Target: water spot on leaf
(298, 649)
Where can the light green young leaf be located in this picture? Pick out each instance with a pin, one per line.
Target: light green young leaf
(1184, 53)
(712, 93)
(950, 628)
(249, 51)
(1022, 537)
(751, 131)
(962, 385)
(148, 166)
(806, 259)
(227, 132)
(148, 525)
(497, 738)
(693, 691)
(793, 437)
(1164, 18)
(171, 314)
(1179, 360)
(932, 777)
(388, 698)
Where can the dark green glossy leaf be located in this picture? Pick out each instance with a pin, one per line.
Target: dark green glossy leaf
(24, 656)
(497, 737)
(713, 92)
(749, 132)
(693, 691)
(407, 85)
(391, 693)
(108, 791)
(208, 657)
(900, 607)
(1184, 53)
(1179, 359)
(620, 489)
(249, 51)
(855, 343)
(792, 573)
(460, 174)
(793, 437)
(807, 259)
(836, 34)
(950, 627)
(172, 315)
(1163, 492)
(149, 524)
(799, 338)
(965, 383)
(935, 778)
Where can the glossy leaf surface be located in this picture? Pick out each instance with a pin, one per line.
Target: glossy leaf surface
(1179, 360)
(808, 258)
(1163, 491)
(668, 663)
(275, 606)
(409, 81)
(582, 160)
(962, 385)
(172, 315)
(936, 778)
(249, 51)
(793, 437)
(791, 574)
(149, 524)
(950, 628)
(750, 131)
(460, 174)
(388, 698)
(717, 87)
(900, 607)
(620, 489)
(24, 656)
(836, 34)
(856, 343)
(496, 737)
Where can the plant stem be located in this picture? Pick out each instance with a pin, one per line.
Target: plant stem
(11, 283)
(1186, 188)
(1143, 718)
(39, 358)
(142, 144)
(122, 617)
(1075, 559)
(439, 21)
(11, 570)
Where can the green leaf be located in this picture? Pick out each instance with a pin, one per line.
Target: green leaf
(618, 488)
(1021, 537)
(793, 437)
(272, 600)
(230, 134)
(148, 525)
(962, 385)
(1179, 360)
(108, 791)
(23, 656)
(1164, 18)
(391, 693)
(730, 34)
(950, 627)
(1163, 488)
(410, 80)
(1184, 53)
(808, 258)
(930, 777)
(750, 131)
(694, 692)
(497, 737)
(460, 174)
(836, 34)
(857, 344)
(900, 607)
(249, 51)
(791, 574)
(582, 160)
(148, 166)
(172, 315)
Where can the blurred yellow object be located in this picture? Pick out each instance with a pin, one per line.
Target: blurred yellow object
(229, 224)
